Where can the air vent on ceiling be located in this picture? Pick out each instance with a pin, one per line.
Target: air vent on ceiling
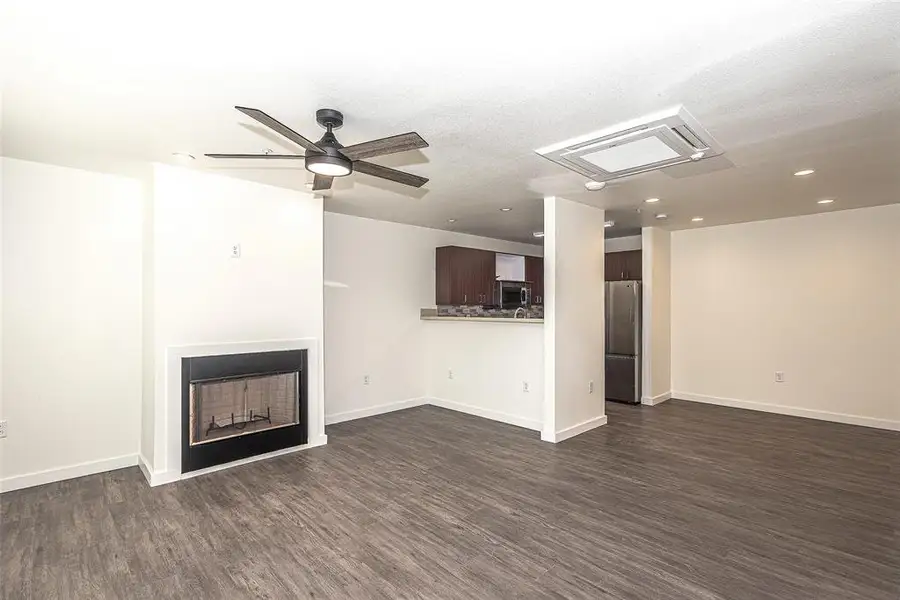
(660, 140)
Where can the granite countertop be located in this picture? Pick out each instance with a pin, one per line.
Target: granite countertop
(481, 319)
(480, 314)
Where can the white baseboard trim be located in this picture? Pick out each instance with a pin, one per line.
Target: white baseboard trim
(792, 411)
(373, 410)
(146, 469)
(654, 400)
(570, 432)
(18, 482)
(486, 413)
(163, 477)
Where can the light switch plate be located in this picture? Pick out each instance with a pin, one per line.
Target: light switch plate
(3, 427)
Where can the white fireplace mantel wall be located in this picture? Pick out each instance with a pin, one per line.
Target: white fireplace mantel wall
(199, 298)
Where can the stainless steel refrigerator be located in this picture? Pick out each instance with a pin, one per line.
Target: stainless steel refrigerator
(623, 341)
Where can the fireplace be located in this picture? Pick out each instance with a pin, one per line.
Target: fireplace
(239, 405)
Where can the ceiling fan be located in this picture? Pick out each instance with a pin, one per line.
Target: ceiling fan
(328, 159)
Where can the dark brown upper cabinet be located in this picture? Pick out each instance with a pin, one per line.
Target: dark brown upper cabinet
(623, 266)
(534, 273)
(464, 276)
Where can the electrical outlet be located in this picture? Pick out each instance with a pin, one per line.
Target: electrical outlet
(366, 380)
(3, 428)
(525, 386)
(779, 376)
(235, 251)
(591, 387)
(449, 373)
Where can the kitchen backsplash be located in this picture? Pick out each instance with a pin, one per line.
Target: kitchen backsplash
(532, 312)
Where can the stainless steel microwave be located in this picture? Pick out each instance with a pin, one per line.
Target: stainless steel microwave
(512, 294)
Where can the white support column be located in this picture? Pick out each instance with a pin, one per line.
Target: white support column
(656, 385)
(574, 386)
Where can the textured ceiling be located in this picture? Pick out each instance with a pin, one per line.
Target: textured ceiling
(781, 85)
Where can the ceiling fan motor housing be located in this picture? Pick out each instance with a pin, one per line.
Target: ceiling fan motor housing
(330, 119)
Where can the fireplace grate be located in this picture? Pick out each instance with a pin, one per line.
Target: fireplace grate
(240, 424)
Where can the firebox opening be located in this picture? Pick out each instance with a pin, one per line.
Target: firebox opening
(233, 406)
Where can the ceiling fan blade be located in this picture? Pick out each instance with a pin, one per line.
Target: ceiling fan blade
(278, 127)
(242, 156)
(388, 173)
(388, 145)
(322, 182)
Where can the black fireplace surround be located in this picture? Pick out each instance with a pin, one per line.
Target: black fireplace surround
(206, 368)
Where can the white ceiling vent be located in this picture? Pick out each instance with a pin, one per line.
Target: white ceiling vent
(663, 139)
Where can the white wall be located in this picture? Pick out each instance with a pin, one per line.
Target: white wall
(656, 289)
(2, 190)
(372, 327)
(622, 244)
(201, 295)
(574, 319)
(816, 297)
(491, 363)
(71, 321)
(148, 331)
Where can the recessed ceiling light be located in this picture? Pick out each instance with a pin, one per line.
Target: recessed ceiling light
(662, 216)
(505, 209)
(593, 186)
(451, 220)
(697, 219)
(183, 155)
(538, 234)
(651, 200)
(825, 201)
(609, 223)
(804, 172)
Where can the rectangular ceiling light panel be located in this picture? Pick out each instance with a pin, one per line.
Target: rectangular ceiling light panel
(657, 141)
(629, 155)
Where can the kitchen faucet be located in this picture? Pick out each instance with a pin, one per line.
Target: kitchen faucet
(524, 313)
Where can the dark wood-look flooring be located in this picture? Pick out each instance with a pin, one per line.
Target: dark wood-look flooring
(681, 501)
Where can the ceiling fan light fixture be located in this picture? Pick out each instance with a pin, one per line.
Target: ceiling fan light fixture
(330, 166)
(327, 158)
